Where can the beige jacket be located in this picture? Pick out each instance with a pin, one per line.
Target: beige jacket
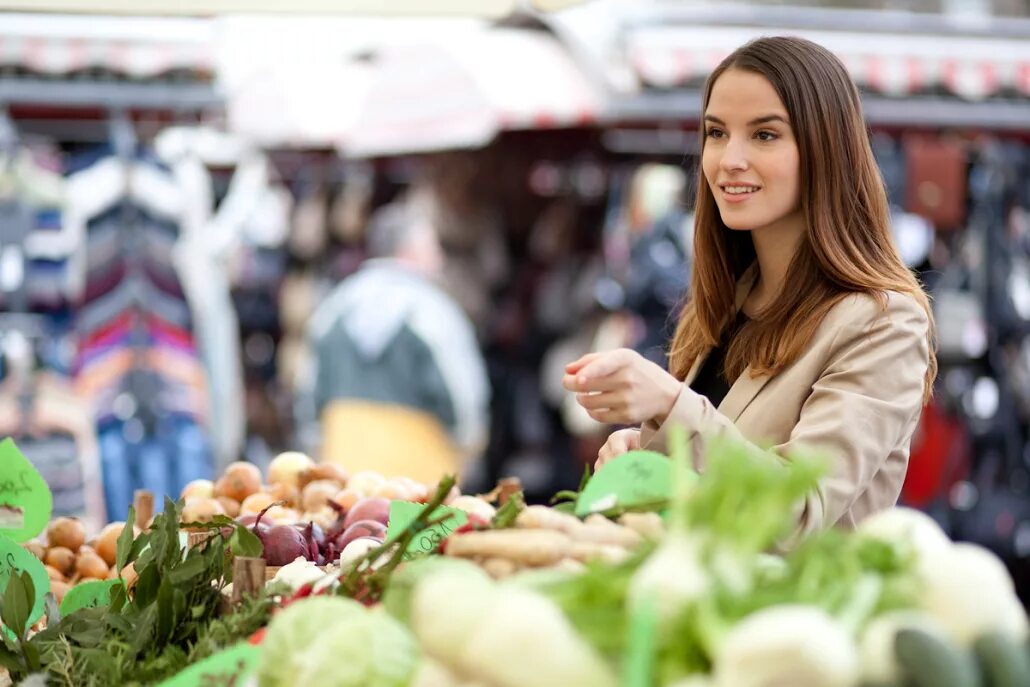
(856, 392)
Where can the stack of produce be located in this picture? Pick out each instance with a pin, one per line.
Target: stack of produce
(545, 538)
(703, 604)
(70, 559)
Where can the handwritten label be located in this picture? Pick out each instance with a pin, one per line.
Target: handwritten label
(402, 513)
(88, 595)
(229, 668)
(16, 560)
(634, 479)
(25, 499)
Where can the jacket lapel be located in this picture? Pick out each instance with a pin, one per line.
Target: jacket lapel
(746, 387)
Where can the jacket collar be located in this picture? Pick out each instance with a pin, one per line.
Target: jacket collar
(746, 387)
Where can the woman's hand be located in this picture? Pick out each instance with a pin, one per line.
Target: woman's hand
(621, 387)
(619, 442)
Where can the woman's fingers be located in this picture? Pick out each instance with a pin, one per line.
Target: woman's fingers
(608, 399)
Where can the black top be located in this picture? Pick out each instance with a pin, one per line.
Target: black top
(711, 381)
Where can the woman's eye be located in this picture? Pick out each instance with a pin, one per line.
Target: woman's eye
(766, 136)
(713, 133)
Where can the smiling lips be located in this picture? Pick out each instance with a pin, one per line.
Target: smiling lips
(737, 193)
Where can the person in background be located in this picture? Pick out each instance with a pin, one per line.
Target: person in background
(804, 327)
(398, 379)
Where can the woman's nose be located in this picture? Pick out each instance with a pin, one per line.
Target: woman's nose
(734, 157)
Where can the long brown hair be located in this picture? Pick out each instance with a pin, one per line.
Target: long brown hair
(847, 246)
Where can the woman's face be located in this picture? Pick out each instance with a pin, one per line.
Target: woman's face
(750, 157)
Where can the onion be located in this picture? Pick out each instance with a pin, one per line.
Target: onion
(346, 498)
(231, 506)
(324, 471)
(36, 548)
(107, 541)
(59, 588)
(284, 492)
(255, 503)
(241, 479)
(201, 510)
(365, 482)
(54, 574)
(90, 565)
(61, 559)
(287, 467)
(318, 493)
(67, 532)
(198, 488)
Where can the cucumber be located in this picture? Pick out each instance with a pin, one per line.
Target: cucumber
(1003, 662)
(927, 661)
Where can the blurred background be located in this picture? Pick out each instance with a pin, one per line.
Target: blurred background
(194, 208)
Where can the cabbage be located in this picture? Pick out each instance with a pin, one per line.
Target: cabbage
(294, 629)
(368, 650)
(398, 596)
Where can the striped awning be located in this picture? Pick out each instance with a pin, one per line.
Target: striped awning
(887, 64)
(461, 93)
(132, 47)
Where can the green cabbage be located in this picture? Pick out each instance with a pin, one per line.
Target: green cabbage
(294, 629)
(370, 650)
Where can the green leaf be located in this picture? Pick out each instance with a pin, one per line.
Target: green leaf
(11, 661)
(190, 568)
(18, 601)
(124, 549)
(245, 543)
(165, 610)
(31, 653)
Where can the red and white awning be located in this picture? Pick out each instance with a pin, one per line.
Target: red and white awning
(893, 65)
(461, 93)
(56, 45)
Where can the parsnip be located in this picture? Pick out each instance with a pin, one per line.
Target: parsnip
(542, 517)
(526, 547)
(499, 568)
(647, 525)
(589, 551)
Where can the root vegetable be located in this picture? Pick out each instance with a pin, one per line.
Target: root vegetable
(796, 645)
(287, 467)
(647, 525)
(473, 505)
(59, 588)
(288, 493)
(526, 547)
(241, 479)
(318, 493)
(365, 482)
(36, 548)
(61, 559)
(54, 574)
(393, 490)
(107, 541)
(231, 506)
(324, 517)
(283, 545)
(69, 533)
(371, 508)
(198, 488)
(361, 528)
(325, 471)
(542, 517)
(499, 568)
(610, 535)
(201, 510)
(346, 498)
(90, 565)
(357, 548)
(584, 551)
(255, 503)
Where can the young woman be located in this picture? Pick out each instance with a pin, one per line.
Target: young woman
(804, 327)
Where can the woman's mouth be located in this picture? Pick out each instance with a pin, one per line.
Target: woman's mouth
(738, 193)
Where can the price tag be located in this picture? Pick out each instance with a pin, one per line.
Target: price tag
(16, 560)
(637, 478)
(88, 595)
(229, 668)
(25, 499)
(402, 513)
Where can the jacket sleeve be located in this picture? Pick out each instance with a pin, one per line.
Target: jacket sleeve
(868, 395)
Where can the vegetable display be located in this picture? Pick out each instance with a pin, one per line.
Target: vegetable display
(710, 587)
